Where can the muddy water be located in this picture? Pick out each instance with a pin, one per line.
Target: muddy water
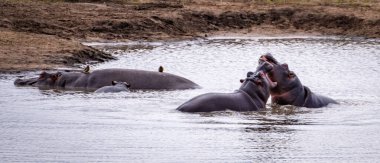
(143, 126)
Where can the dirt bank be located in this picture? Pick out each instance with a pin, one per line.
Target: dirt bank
(29, 51)
(46, 35)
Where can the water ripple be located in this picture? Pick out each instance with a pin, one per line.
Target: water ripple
(143, 126)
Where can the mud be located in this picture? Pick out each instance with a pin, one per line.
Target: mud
(164, 20)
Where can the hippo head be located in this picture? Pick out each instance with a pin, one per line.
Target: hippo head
(286, 80)
(123, 84)
(44, 80)
(258, 83)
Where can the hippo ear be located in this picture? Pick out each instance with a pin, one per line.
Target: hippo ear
(55, 76)
(249, 74)
(43, 75)
(127, 84)
(114, 82)
(285, 65)
(241, 80)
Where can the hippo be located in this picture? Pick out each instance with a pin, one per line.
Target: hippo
(251, 96)
(139, 79)
(289, 89)
(115, 87)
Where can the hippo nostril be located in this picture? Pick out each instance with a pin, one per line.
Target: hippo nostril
(291, 74)
(285, 65)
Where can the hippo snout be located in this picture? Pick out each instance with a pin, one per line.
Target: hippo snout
(264, 66)
(269, 58)
(25, 82)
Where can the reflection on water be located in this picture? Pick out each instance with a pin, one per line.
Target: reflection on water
(143, 126)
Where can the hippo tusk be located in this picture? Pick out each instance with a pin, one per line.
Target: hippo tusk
(271, 83)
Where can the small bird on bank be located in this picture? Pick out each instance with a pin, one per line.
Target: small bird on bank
(161, 69)
(86, 70)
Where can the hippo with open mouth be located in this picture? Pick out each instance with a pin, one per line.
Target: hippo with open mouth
(289, 89)
(138, 79)
(251, 96)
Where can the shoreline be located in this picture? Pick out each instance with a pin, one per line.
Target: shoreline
(49, 35)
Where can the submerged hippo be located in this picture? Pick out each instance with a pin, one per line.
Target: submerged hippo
(115, 87)
(139, 79)
(251, 96)
(289, 89)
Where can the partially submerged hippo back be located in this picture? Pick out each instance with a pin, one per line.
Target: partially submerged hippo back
(114, 88)
(289, 89)
(139, 79)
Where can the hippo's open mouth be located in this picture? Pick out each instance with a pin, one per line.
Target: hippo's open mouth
(263, 69)
(272, 61)
(268, 58)
(271, 83)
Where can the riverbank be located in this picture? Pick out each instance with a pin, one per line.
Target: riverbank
(46, 35)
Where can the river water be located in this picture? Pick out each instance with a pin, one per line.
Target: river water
(143, 126)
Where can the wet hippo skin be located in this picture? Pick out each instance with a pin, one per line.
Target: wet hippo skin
(251, 96)
(116, 86)
(138, 79)
(289, 89)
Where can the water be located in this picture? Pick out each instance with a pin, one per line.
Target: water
(143, 126)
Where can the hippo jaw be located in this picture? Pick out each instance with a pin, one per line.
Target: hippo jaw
(263, 69)
(257, 84)
(286, 80)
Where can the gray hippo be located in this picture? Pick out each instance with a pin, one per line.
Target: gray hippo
(139, 79)
(114, 88)
(251, 96)
(289, 89)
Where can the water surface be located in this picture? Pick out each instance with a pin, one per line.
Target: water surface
(143, 126)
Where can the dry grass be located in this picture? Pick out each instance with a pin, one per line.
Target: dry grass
(342, 3)
(311, 2)
(20, 50)
(374, 4)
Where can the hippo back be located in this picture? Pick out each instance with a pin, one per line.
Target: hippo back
(138, 79)
(112, 89)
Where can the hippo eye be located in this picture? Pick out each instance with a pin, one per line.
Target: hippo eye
(291, 74)
(258, 82)
(42, 75)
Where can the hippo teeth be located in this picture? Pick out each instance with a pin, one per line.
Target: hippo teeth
(270, 82)
(274, 84)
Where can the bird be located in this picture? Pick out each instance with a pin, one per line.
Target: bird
(86, 70)
(161, 69)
